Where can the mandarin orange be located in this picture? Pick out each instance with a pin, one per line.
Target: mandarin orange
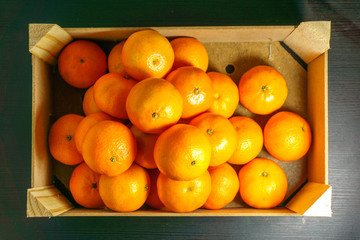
(287, 136)
(61, 139)
(81, 63)
(221, 134)
(184, 196)
(263, 183)
(262, 90)
(147, 54)
(195, 88)
(153, 105)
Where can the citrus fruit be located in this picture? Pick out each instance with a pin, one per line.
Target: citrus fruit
(109, 148)
(182, 152)
(114, 59)
(221, 134)
(81, 63)
(224, 186)
(153, 105)
(145, 148)
(287, 136)
(147, 54)
(61, 139)
(249, 140)
(189, 52)
(127, 191)
(110, 93)
(89, 105)
(153, 199)
(85, 124)
(84, 187)
(226, 94)
(195, 88)
(263, 183)
(184, 196)
(262, 90)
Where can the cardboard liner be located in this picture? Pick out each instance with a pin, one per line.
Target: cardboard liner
(241, 47)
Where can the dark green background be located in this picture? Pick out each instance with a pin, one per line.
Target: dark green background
(15, 116)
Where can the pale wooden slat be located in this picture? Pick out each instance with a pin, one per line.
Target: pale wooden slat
(46, 202)
(203, 34)
(197, 213)
(41, 164)
(310, 39)
(318, 119)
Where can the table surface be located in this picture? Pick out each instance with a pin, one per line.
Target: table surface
(15, 116)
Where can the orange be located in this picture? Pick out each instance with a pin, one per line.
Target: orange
(184, 196)
(81, 63)
(145, 148)
(84, 187)
(126, 192)
(195, 88)
(263, 183)
(153, 199)
(109, 148)
(226, 94)
(147, 54)
(221, 134)
(85, 124)
(154, 105)
(89, 105)
(110, 93)
(287, 136)
(189, 52)
(262, 90)
(61, 139)
(182, 152)
(224, 186)
(114, 59)
(249, 140)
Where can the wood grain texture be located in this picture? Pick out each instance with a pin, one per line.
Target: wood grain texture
(15, 116)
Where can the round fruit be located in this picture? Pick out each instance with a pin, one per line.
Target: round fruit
(154, 105)
(182, 152)
(89, 105)
(262, 90)
(81, 63)
(115, 60)
(153, 199)
(195, 88)
(61, 139)
(84, 187)
(287, 136)
(226, 94)
(221, 134)
(147, 54)
(85, 124)
(109, 148)
(110, 93)
(145, 148)
(189, 52)
(126, 192)
(224, 186)
(249, 140)
(263, 183)
(184, 196)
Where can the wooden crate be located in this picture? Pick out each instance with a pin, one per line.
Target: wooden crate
(299, 53)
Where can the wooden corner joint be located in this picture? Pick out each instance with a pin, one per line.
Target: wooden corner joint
(310, 39)
(46, 201)
(50, 43)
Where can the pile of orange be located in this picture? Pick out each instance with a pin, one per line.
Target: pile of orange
(159, 130)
